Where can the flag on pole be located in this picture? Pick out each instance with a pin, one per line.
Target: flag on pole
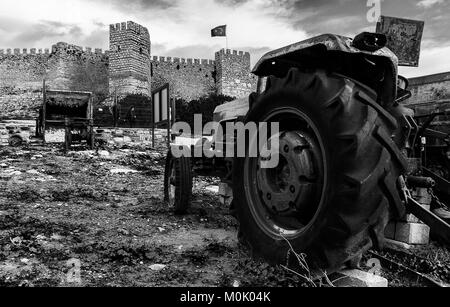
(219, 31)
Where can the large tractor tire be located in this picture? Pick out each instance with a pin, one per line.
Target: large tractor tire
(178, 183)
(332, 193)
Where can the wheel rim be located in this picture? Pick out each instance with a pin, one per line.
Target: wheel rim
(285, 200)
(171, 184)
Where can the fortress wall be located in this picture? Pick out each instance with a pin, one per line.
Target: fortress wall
(233, 73)
(188, 78)
(65, 67)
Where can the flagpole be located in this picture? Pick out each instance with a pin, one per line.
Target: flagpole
(226, 34)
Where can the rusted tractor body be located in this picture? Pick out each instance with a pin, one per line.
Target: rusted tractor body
(343, 153)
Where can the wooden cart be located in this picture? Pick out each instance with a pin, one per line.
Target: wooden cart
(68, 110)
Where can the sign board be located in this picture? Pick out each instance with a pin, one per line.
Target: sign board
(404, 38)
(161, 105)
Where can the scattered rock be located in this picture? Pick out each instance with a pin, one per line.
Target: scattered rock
(358, 278)
(10, 174)
(33, 172)
(123, 171)
(16, 241)
(157, 267)
(104, 153)
(41, 238)
(124, 232)
(56, 237)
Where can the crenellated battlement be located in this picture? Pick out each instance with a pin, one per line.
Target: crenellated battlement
(128, 26)
(188, 61)
(74, 48)
(24, 51)
(235, 53)
(55, 48)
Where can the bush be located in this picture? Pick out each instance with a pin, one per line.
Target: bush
(205, 106)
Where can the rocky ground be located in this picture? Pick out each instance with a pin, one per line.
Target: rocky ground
(97, 218)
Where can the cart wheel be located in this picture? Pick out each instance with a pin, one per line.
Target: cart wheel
(15, 141)
(178, 183)
(90, 140)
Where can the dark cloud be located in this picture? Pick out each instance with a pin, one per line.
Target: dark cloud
(96, 39)
(138, 5)
(231, 2)
(46, 29)
(348, 17)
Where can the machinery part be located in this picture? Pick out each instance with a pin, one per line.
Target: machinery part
(420, 182)
(389, 261)
(331, 193)
(15, 141)
(442, 185)
(370, 41)
(437, 225)
(178, 183)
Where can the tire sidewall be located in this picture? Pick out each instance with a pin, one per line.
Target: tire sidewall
(262, 242)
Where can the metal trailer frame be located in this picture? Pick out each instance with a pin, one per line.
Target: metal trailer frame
(433, 181)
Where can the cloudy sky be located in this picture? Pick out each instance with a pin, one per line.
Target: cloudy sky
(182, 27)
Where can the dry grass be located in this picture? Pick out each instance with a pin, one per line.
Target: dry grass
(304, 267)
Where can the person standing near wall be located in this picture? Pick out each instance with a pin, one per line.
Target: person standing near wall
(131, 117)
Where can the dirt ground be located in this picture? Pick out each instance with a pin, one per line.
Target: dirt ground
(97, 218)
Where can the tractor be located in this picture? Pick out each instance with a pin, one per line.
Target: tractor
(343, 164)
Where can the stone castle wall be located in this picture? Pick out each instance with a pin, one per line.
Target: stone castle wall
(65, 67)
(129, 59)
(126, 68)
(189, 79)
(73, 68)
(21, 75)
(233, 73)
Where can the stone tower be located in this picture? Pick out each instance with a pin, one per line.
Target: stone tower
(129, 59)
(233, 73)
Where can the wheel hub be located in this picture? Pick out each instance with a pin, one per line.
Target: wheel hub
(291, 187)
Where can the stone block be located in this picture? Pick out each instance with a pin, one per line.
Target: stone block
(412, 233)
(389, 232)
(225, 194)
(225, 189)
(360, 279)
(411, 218)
